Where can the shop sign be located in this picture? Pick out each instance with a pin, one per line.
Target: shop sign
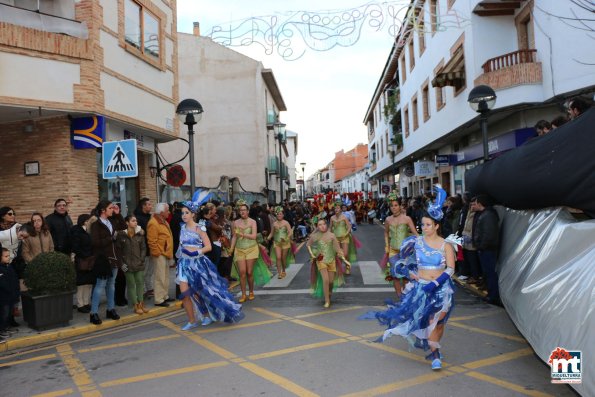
(424, 168)
(446, 159)
(87, 132)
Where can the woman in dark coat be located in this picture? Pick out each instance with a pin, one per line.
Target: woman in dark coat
(83, 262)
(106, 256)
(119, 224)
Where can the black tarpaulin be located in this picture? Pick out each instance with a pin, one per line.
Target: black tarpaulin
(556, 169)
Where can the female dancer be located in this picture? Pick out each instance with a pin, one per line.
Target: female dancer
(397, 227)
(247, 253)
(427, 300)
(204, 292)
(282, 243)
(341, 228)
(324, 249)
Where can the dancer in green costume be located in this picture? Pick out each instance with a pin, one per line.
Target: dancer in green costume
(281, 250)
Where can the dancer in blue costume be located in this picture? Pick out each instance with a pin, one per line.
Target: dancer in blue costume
(427, 301)
(204, 292)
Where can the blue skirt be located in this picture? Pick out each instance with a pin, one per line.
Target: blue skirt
(417, 314)
(208, 291)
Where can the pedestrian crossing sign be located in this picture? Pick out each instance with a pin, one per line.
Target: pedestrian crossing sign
(120, 159)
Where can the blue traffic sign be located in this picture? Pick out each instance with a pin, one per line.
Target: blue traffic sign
(120, 159)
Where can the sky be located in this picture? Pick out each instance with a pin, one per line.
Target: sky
(327, 93)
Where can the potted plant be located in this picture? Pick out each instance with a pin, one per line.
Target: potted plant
(51, 281)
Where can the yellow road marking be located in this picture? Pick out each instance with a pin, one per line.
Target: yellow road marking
(163, 374)
(124, 344)
(463, 318)
(372, 335)
(321, 328)
(328, 311)
(398, 352)
(296, 349)
(486, 332)
(278, 380)
(200, 341)
(237, 326)
(507, 385)
(28, 360)
(77, 372)
(391, 387)
(271, 313)
(56, 393)
(498, 359)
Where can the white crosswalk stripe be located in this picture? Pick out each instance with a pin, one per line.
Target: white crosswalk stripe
(291, 272)
(371, 273)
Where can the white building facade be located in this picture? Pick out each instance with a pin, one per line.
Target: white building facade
(235, 140)
(524, 50)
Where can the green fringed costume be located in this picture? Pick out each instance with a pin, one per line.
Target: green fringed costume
(324, 247)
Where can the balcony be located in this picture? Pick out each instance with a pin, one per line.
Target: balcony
(512, 69)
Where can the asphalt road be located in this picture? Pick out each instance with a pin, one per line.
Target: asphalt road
(289, 345)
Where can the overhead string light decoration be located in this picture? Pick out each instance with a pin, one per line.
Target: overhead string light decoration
(292, 33)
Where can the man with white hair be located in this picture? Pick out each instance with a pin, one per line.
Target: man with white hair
(161, 247)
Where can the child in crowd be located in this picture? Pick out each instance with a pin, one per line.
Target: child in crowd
(9, 293)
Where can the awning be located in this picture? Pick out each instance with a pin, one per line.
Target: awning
(453, 73)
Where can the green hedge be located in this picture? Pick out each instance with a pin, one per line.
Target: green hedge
(50, 272)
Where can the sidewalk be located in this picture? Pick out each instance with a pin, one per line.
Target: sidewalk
(80, 325)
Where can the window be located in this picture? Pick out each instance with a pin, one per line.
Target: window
(525, 29)
(142, 31)
(414, 113)
(434, 9)
(425, 97)
(421, 33)
(411, 55)
(406, 120)
(403, 69)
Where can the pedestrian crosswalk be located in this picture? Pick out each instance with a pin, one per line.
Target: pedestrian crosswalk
(369, 271)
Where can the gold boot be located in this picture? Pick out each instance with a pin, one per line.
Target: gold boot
(142, 307)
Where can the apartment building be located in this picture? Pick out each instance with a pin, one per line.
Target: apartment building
(236, 138)
(74, 75)
(525, 50)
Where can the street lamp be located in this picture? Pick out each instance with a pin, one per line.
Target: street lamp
(303, 180)
(481, 99)
(190, 112)
(281, 136)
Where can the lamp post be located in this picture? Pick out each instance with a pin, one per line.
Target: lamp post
(482, 99)
(303, 180)
(190, 112)
(281, 136)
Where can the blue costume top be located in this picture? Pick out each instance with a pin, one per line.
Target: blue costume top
(206, 288)
(429, 258)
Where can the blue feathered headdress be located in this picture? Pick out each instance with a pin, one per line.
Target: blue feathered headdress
(199, 198)
(435, 208)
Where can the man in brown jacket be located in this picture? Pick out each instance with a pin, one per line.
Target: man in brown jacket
(161, 248)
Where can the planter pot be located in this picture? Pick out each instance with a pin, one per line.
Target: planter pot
(47, 311)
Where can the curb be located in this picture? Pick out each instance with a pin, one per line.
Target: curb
(70, 332)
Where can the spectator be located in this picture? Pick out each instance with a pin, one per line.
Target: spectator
(60, 224)
(132, 243)
(9, 294)
(7, 218)
(558, 121)
(207, 217)
(486, 238)
(161, 247)
(542, 127)
(576, 107)
(83, 262)
(39, 241)
(143, 215)
(471, 268)
(107, 261)
(226, 260)
(119, 224)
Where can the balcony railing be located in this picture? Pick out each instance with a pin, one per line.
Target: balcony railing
(510, 59)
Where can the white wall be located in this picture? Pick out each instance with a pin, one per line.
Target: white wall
(19, 78)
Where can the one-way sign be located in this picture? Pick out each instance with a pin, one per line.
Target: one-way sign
(120, 159)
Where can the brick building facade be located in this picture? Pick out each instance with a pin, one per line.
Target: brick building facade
(83, 62)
